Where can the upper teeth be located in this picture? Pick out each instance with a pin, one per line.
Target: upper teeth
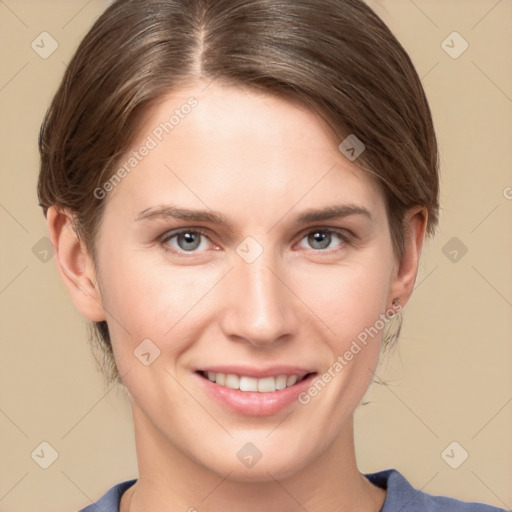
(243, 383)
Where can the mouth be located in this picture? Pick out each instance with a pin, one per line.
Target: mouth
(246, 383)
(251, 392)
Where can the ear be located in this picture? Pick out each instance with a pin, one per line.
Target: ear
(74, 264)
(406, 269)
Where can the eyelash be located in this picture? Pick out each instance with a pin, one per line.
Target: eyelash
(344, 237)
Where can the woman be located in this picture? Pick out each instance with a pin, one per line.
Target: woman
(238, 193)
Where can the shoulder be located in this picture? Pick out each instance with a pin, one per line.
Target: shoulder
(109, 502)
(401, 495)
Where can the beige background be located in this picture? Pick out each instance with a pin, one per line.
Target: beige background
(450, 378)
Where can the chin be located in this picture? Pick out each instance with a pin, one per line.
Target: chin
(248, 464)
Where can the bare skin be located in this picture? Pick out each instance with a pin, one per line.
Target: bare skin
(261, 162)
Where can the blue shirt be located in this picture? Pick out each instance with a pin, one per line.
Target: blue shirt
(401, 496)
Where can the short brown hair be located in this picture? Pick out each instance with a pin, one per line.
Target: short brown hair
(335, 56)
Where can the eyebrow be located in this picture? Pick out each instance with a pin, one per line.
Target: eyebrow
(312, 215)
(331, 212)
(183, 214)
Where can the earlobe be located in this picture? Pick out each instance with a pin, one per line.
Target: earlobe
(74, 264)
(407, 269)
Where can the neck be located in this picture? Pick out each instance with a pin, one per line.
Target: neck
(170, 480)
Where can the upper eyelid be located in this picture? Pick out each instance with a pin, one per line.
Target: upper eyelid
(328, 229)
(174, 232)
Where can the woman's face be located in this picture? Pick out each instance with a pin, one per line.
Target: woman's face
(243, 242)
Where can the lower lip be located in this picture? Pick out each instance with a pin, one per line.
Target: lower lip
(254, 403)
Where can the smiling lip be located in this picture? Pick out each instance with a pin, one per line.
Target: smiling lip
(255, 403)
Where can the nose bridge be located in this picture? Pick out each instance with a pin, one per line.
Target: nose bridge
(260, 309)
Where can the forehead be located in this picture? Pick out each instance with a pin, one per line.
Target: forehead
(224, 147)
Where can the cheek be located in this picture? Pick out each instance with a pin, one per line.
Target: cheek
(144, 299)
(346, 299)
(350, 303)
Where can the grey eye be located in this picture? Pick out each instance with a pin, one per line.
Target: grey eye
(320, 239)
(188, 240)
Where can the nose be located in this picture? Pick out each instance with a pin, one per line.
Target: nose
(259, 307)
